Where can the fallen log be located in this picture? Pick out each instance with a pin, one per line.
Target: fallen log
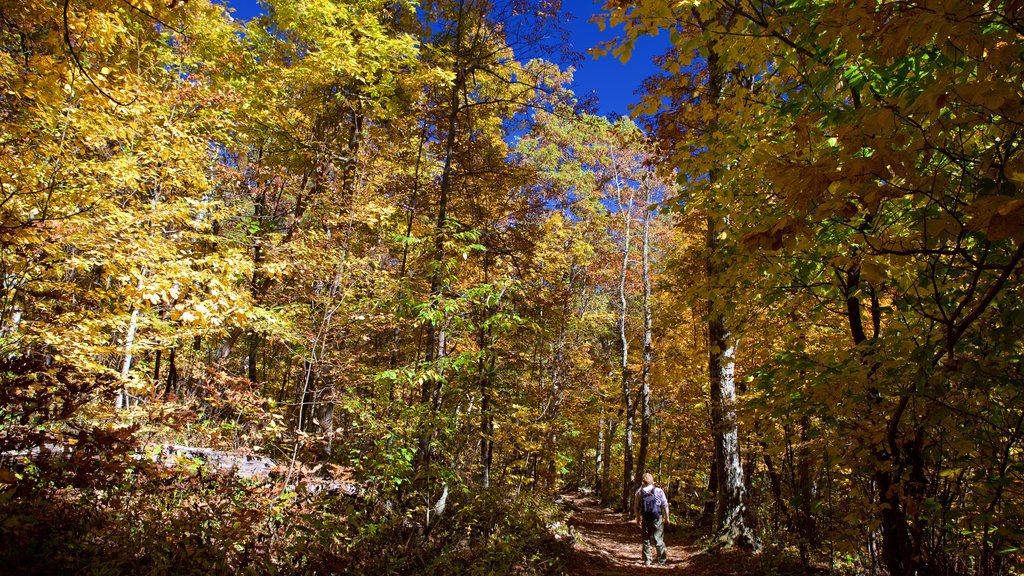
(249, 466)
(237, 463)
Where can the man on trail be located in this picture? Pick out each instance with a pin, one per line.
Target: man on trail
(650, 507)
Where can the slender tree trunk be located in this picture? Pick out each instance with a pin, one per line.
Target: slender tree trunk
(645, 376)
(897, 547)
(486, 368)
(661, 453)
(156, 367)
(350, 175)
(172, 373)
(781, 508)
(599, 461)
(410, 216)
(707, 514)
(487, 436)
(805, 489)
(254, 347)
(435, 330)
(434, 347)
(123, 398)
(628, 404)
(256, 283)
(611, 424)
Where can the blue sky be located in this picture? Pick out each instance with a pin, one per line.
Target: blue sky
(613, 82)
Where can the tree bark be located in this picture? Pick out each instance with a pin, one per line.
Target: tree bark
(599, 462)
(486, 368)
(430, 391)
(254, 346)
(628, 405)
(172, 373)
(806, 493)
(731, 510)
(645, 376)
(707, 514)
(897, 547)
(156, 367)
(611, 424)
(123, 398)
(410, 216)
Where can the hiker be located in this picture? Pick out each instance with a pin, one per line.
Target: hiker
(650, 507)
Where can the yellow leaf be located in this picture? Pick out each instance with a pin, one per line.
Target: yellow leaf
(873, 272)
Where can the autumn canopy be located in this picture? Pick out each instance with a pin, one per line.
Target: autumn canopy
(382, 248)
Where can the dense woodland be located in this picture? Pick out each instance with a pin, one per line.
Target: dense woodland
(383, 243)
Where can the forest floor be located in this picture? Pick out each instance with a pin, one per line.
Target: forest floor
(609, 545)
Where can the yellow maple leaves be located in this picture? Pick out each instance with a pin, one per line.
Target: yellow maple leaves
(867, 156)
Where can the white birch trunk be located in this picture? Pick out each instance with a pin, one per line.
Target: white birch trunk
(627, 395)
(123, 399)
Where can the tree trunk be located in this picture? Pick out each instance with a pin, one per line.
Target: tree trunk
(156, 367)
(707, 514)
(123, 398)
(256, 283)
(410, 216)
(486, 368)
(434, 347)
(731, 510)
(355, 138)
(645, 376)
(611, 424)
(775, 481)
(897, 552)
(254, 346)
(806, 494)
(599, 461)
(628, 405)
(897, 546)
(172, 373)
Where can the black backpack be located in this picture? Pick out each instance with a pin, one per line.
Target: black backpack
(650, 504)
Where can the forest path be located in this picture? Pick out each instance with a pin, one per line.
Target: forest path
(610, 546)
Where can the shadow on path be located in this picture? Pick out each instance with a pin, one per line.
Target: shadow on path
(610, 546)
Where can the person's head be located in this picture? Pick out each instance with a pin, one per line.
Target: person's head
(648, 479)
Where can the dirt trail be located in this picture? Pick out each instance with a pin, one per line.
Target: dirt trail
(610, 546)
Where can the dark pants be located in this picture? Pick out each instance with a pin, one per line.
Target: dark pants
(654, 530)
